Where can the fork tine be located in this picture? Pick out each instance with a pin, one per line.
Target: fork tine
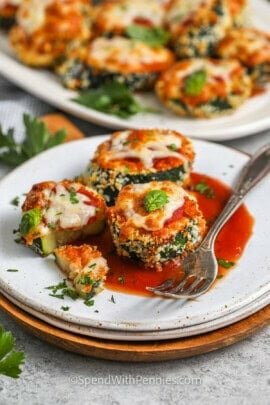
(181, 285)
(193, 286)
(162, 287)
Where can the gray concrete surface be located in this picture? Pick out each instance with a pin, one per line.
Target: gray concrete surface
(237, 375)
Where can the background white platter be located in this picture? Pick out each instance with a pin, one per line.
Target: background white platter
(249, 281)
(252, 117)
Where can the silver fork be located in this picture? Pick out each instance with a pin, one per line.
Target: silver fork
(200, 267)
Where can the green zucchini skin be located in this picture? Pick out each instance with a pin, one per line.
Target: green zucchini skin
(109, 182)
(77, 75)
(152, 253)
(6, 23)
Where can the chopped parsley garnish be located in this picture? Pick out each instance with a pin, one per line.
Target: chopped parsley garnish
(152, 36)
(15, 201)
(203, 188)
(92, 266)
(12, 270)
(121, 279)
(226, 264)
(85, 280)
(11, 360)
(31, 219)
(37, 139)
(112, 98)
(173, 147)
(65, 308)
(89, 302)
(155, 199)
(195, 82)
(51, 225)
(73, 196)
(61, 290)
(112, 299)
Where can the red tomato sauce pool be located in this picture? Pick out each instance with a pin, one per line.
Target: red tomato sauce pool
(132, 278)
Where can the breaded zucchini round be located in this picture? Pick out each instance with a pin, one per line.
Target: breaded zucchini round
(8, 9)
(239, 11)
(252, 48)
(133, 63)
(204, 88)
(84, 266)
(155, 222)
(114, 16)
(139, 156)
(196, 26)
(58, 213)
(46, 28)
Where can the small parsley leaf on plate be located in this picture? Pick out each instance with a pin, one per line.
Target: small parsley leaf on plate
(11, 360)
(204, 189)
(155, 199)
(15, 201)
(226, 264)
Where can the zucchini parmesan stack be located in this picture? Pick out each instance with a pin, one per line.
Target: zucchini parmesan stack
(204, 87)
(113, 17)
(133, 63)
(155, 222)
(197, 26)
(55, 214)
(45, 29)
(84, 266)
(139, 156)
(252, 48)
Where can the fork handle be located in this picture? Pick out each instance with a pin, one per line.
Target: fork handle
(252, 173)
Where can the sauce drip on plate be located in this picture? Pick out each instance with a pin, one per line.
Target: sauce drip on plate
(129, 277)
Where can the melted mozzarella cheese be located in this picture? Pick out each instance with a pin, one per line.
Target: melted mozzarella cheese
(4, 3)
(156, 147)
(126, 12)
(181, 10)
(68, 215)
(117, 52)
(32, 14)
(155, 220)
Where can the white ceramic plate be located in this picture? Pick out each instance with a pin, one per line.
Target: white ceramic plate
(249, 281)
(252, 117)
(145, 336)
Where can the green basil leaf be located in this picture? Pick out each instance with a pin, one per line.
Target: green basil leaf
(154, 37)
(195, 82)
(155, 200)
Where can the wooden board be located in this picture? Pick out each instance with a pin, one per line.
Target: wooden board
(138, 351)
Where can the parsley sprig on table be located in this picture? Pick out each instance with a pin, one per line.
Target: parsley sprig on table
(37, 139)
(11, 360)
(112, 98)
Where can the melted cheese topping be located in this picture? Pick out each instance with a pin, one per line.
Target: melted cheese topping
(155, 145)
(32, 13)
(182, 10)
(125, 54)
(4, 3)
(125, 13)
(61, 210)
(155, 220)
